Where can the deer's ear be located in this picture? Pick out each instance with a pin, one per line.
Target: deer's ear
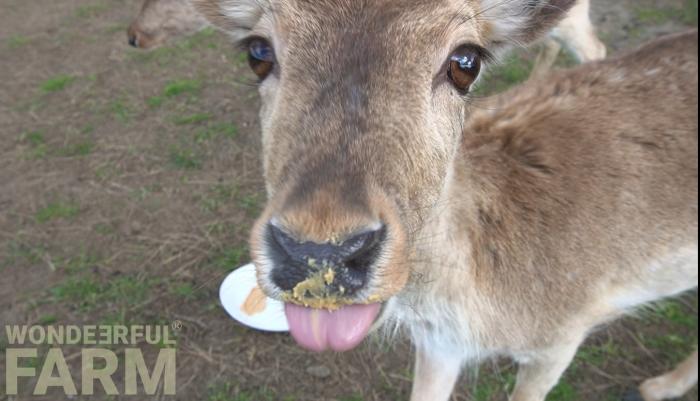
(236, 17)
(521, 21)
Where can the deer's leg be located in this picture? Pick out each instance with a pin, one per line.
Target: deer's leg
(435, 376)
(546, 57)
(673, 384)
(578, 34)
(537, 375)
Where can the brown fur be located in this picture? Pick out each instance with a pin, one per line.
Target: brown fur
(161, 20)
(555, 208)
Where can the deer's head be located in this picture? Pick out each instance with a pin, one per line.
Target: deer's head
(160, 20)
(363, 108)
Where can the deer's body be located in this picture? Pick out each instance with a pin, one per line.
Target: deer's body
(555, 208)
(573, 200)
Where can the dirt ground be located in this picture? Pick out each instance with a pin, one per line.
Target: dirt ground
(129, 181)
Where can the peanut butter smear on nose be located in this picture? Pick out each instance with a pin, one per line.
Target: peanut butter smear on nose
(255, 303)
(315, 292)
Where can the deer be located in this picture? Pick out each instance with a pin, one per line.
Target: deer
(162, 20)
(575, 32)
(513, 226)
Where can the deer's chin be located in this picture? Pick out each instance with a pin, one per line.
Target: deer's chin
(321, 330)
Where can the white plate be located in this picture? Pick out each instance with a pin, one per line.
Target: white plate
(234, 293)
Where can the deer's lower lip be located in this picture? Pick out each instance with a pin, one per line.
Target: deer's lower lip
(320, 330)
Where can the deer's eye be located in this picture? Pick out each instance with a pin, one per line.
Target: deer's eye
(464, 67)
(261, 57)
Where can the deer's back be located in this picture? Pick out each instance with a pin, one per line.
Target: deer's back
(585, 184)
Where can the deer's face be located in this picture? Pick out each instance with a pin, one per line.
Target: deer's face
(363, 108)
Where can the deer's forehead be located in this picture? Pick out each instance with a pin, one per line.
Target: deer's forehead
(412, 22)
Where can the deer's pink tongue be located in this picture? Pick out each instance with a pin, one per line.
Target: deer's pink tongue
(320, 330)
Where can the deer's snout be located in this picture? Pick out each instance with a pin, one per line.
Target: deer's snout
(338, 267)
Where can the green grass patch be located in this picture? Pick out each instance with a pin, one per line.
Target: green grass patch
(185, 159)
(251, 203)
(353, 397)
(87, 293)
(78, 263)
(185, 290)
(656, 16)
(155, 101)
(46, 320)
(687, 14)
(489, 387)
(120, 110)
(182, 86)
(192, 119)
(127, 290)
(563, 392)
(57, 83)
(230, 259)
(36, 142)
(78, 149)
(674, 312)
(57, 211)
(17, 41)
(227, 130)
(81, 292)
(90, 10)
(227, 392)
(690, 12)
(596, 355)
(18, 253)
(514, 70)
(218, 196)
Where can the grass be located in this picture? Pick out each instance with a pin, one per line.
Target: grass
(87, 294)
(120, 110)
(563, 392)
(217, 196)
(192, 119)
(17, 41)
(57, 211)
(183, 158)
(79, 149)
(83, 293)
(181, 86)
(155, 101)
(514, 70)
(185, 290)
(227, 392)
(230, 259)
(90, 10)
(687, 14)
(19, 253)
(57, 83)
(354, 397)
(36, 142)
(46, 320)
(227, 130)
(78, 263)
(488, 387)
(251, 203)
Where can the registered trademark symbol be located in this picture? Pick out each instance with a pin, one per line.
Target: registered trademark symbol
(177, 325)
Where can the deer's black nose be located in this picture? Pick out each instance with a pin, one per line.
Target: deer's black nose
(349, 261)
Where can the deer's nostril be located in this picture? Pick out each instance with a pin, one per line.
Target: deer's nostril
(351, 260)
